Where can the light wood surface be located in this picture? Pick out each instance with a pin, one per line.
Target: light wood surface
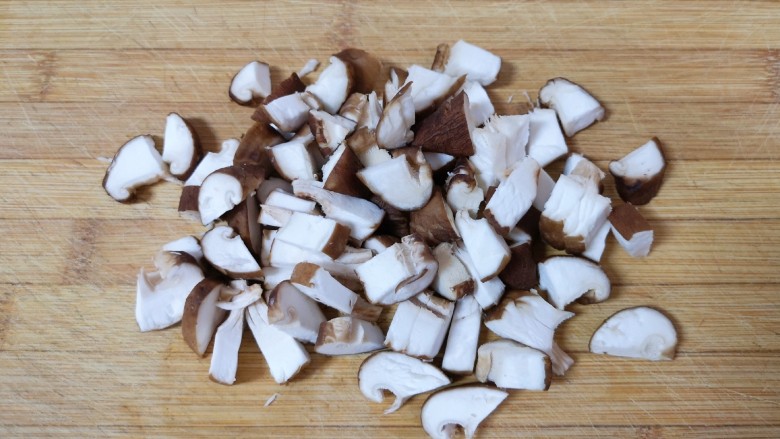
(78, 78)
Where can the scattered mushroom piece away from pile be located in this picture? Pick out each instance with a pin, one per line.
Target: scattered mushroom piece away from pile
(638, 175)
(137, 163)
(461, 406)
(576, 108)
(570, 278)
(251, 84)
(181, 147)
(161, 294)
(632, 230)
(640, 332)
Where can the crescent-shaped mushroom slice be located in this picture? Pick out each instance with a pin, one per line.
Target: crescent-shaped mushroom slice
(462, 406)
(640, 332)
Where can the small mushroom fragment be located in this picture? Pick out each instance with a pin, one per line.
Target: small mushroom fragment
(394, 83)
(434, 222)
(294, 312)
(137, 163)
(462, 406)
(476, 63)
(279, 207)
(224, 188)
(516, 129)
(487, 293)
(489, 158)
(520, 272)
(510, 365)
(638, 175)
(290, 85)
(545, 139)
(284, 254)
(365, 68)
(595, 248)
(380, 243)
(463, 192)
(292, 160)
(632, 230)
(419, 326)
(488, 250)
(403, 182)
(160, 295)
(568, 278)
(398, 273)
(577, 109)
(438, 160)
(394, 128)
(363, 143)
(273, 276)
(480, 107)
(243, 219)
(225, 250)
(310, 66)
(315, 233)
(329, 130)
(271, 185)
(513, 196)
(251, 84)
(333, 85)
(187, 244)
(213, 161)
(463, 336)
(348, 335)
(201, 315)
(227, 341)
(364, 110)
(181, 147)
(429, 88)
(584, 171)
(452, 280)
(317, 283)
(400, 374)
(640, 332)
(254, 145)
(339, 174)
(284, 355)
(364, 310)
(528, 319)
(448, 129)
(287, 113)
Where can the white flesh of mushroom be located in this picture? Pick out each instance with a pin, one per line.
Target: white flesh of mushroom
(487, 293)
(227, 341)
(137, 163)
(271, 185)
(544, 188)
(288, 113)
(516, 129)
(489, 157)
(595, 248)
(641, 163)
(567, 278)
(160, 295)
(545, 140)
(317, 283)
(579, 167)
(293, 161)
(218, 194)
(315, 233)
(463, 336)
(251, 82)
(640, 332)
(510, 365)
(480, 107)
(513, 196)
(225, 250)
(394, 127)
(475, 62)
(284, 355)
(294, 312)
(273, 276)
(464, 406)
(213, 161)
(187, 244)
(348, 335)
(452, 280)
(419, 326)
(428, 86)
(399, 183)
(576, 108)
(334, 129)
(332, 86)
(179, 146)
(488, 250)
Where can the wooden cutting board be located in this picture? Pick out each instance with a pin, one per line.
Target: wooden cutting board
(80, 78)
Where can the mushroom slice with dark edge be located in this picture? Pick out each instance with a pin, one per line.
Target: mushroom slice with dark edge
(545, 139)
(339, 173)
(434, 221)
(273, 185)
(577, 109)
(520, 273)
(292, 160)
(528, 319)
(462, 406)
(452, 280)
(292, 84)
(488, 250)
(361, 216)
(160, 295)
(243, 219)
(371, 114)
(224, 188)
(568, 278)
(251, 84)
(273, 276)
(480, 107)
(640, 332)
(400, 374)
(394, 129)
(595, 248)
(225, 250)
(638, 175)
(463, 192)
(317, 283)
(329, 130)
(398, 273)
(137, 163)
(473, 61)
(448, 129)
(583, 170)
(366, 68)
(632, 230)
(463, 337)
(315, 233)
(213, 161)
(487, 293)
(348, 335)
(181, 147)
(429, 88)
(420, 325)
(227, 340)
(513, 196)
(333, 85)
(201, 315)
(294, 312)
(353, 107)
(401, 182)
(284, 355)
(510, 365)
(287, 113)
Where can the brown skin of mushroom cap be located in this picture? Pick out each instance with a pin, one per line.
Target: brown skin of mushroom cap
(253, 146)
(640, 191)
(188, 201)
(191, 306)
(366, 69)
(446, 130)
(520, 273)
(431, 222)
(343, 177)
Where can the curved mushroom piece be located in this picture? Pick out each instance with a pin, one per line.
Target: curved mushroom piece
(315, 233)
(419, 326)
(480, 106)
(284, 355)
(201, 315)
(287, 113)
(317, 283)
(545, 139)
(137, 163)
(187, 244)
(213, 161)
(329, 130)
(510, 365)
(434, 221)
(448, 130)
(429, 88)
(586, 172)
(251, 84)
(227, 253)
(394, 128)
(243, 219)
(400, 374)
(277, 186)
(292, 160)
(462, 406)
(463, 192)
(333, 85)
(640, 332)
(476, 63)
(577, 109)
(513, 196)
(638, 175)
(463, 337)
(293, 312)
(348, 335)
(398, 273)
(160, 295)
(339, 173)
(488, 250)
(632, 230)
(487, 293)
(452, 280)
(365, 68)
(225, 188)
(404, 184)
(181, 147)
(568, 278)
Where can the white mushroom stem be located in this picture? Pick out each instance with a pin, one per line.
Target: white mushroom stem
(394, 128)
(428, 87)
(487, 293)
(640, 332)
(480, 107)
(452, 280)
(489, 157)
(463, 336)
(568, 278)
(293, 160)
(403, 185)
(516, 129)
(420, 325)
(227, 341)
(284, 355)
(315, 282)
(315, 233)
(510, 365)
(462, 406)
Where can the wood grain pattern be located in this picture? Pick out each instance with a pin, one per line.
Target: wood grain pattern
(79, 78)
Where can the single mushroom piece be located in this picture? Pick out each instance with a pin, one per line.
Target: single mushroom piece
(279, 206)
(476, 63)
(448, 129)
(480, 106)
(365, 68)
(293, 160)
(404, 183)
(292, 84)
(462, 406)
(400, 374)
(315, 233)
(489, 159)
(487, 293)
(225, 188)
(254, 145)
(227, 342)
(488, 250)
(520, 273)
(545, 139)
(640, 332)
(353, 108)
(251, 84)
(394, 83)
(284, 254)
(181, 147)
(201, 315)
(595, 248)
(394, 128)
(419, 326)
(225, 250)
(577, 109)
(273, 276)
(434, 221)
(213, 161)
(586, 172)
(310, 66)
(287, 113)
(463, 192)
(294, 312)
(430, 88)
(380, 243)
(333, 85)
(329, 130)
(568, 278)
(513, 196)
(398, 273)
(317, 283)
(271, 185)
(452, 280)
(137, 163)
(243, 219)
(339, 174)
(187, 244)
(510, 365)
(463, 336)
(363, 143)
(632, 230)
(638, 175)
(348, 335)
